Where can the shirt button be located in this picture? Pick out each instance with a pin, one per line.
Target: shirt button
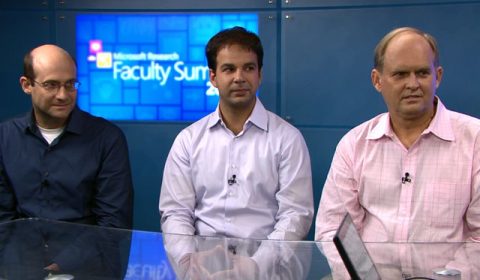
(229, 220)
(46, 173)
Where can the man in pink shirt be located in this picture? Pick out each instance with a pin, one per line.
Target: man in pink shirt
(411, 174)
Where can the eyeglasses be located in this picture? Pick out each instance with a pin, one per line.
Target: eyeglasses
(54, 86)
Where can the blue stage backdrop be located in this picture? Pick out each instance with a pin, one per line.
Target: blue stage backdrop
(149, 67)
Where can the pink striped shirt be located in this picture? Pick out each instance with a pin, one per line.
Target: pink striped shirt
(439, 200)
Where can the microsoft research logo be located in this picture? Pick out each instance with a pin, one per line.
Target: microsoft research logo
(103, 59)
(149, 66)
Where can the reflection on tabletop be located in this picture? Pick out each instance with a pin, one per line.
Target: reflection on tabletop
(44, 249)
(422, 259)
(40, 249)
(198, 257)
(414, 260)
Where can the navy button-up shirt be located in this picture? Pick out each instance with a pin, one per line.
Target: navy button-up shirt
(82, 176)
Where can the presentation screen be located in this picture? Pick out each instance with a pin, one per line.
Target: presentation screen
(149, 67)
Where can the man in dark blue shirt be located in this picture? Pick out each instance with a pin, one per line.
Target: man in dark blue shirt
(59, 162)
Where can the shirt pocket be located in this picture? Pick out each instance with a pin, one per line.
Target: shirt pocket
(445, 203)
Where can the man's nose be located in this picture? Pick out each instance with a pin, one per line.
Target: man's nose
(412, 81)
(62, 92)
(238, 77)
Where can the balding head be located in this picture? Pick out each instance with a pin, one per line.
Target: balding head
(380, 49)
(50, 78)
(46, 56)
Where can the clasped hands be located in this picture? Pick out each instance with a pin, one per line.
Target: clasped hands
(219, 263)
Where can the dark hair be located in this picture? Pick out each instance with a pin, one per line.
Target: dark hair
(28, 66)
(233, 36)
(379, 54)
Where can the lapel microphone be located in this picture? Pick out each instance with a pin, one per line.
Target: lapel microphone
(232, 180)
(406, 178)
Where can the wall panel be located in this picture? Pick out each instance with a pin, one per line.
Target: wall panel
(20, 31)
(338, 45)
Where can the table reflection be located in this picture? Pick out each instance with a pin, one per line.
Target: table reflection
(38, 249)
(197, 257)
(417, 260)
(413, 260)
(29, 246)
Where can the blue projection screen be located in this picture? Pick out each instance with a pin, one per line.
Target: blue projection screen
(149, 67)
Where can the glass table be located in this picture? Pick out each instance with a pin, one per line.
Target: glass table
(43, 249)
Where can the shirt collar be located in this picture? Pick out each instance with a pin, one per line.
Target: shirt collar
(382, 128)
(439, 126)
(258, 117)
(214, 118)
(30, 124)
(74, 122)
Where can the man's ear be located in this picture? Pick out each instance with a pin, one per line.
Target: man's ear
(260, 76)
(376, 80)
(439, 75)
(213, 77)
(26, 84)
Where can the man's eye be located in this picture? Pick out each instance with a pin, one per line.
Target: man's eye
(69, 85)
(423, 73)
(50, 85)
(400, 75)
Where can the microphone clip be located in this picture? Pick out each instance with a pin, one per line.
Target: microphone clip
(232, 180)
(406, 178)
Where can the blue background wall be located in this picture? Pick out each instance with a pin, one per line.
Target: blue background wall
(316, 74)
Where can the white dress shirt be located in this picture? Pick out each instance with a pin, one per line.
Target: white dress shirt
(256, 184)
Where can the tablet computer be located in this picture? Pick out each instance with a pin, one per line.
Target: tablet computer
(353, 252)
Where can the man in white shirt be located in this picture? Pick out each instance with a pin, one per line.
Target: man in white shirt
(241, 171)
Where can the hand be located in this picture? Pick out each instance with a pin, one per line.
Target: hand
(242, 268)
(52, 267)
(219, 263)
(202, 265)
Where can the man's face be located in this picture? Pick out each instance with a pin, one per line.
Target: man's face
(51, 107)
(409, 78)
(237, 77)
